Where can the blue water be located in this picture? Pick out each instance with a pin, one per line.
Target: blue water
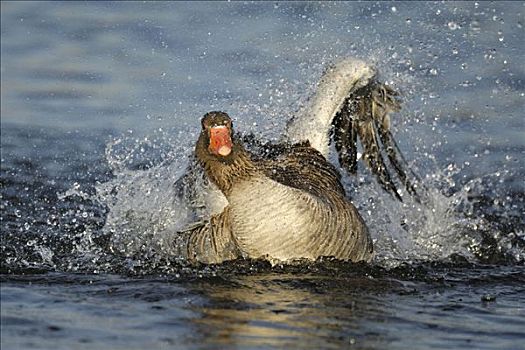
(100, 108)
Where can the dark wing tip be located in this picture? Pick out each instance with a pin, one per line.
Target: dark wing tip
(366, 113)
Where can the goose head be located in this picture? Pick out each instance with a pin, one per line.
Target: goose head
(224, 158)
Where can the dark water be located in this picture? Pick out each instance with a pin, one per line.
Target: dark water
(100, 104)
(326, 306)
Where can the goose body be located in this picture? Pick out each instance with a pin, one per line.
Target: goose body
(273, 220)
(285, 201)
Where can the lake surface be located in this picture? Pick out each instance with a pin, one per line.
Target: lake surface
(100, 109)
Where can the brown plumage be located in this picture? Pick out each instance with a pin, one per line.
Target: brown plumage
(286, 205)
(285, 201)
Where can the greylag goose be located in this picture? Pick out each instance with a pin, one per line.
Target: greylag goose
(285, 201)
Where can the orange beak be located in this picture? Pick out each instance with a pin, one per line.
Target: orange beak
(220, 141)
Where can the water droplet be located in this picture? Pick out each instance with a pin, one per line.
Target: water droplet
(466, 83)
(453, 25)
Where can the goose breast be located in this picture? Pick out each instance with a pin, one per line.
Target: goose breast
(274, 220)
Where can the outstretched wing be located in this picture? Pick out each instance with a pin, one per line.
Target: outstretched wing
(365, 114)
(350, 104)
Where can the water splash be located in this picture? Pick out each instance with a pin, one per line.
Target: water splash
(144, 209)
(127, 223)
(145, 212)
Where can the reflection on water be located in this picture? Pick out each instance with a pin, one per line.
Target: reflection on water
(289, 311)
(282, 311)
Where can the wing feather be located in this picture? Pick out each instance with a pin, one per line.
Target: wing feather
(367, 113)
